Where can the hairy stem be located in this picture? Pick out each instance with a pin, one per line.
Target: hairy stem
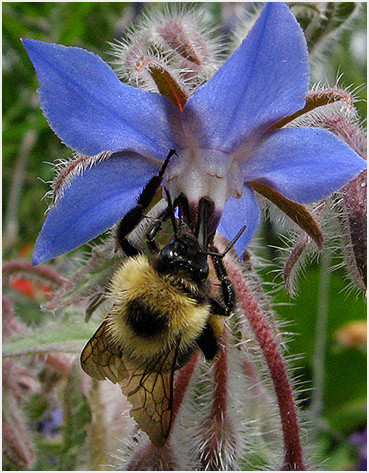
(293, 459)
(181, 384)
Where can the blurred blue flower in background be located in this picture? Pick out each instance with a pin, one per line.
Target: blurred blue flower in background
(360, 440)
(51, 425)
(222, 137)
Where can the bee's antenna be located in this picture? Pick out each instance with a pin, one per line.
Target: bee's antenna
(231, 244)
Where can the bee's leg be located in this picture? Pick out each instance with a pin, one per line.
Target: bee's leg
(155, 229)
(227, 289)
(208, 342)
(205, 211)
(217, 308)
(127, 247)
(134, 216)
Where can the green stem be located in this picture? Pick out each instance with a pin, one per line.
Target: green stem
(11, 224)
(321, 337)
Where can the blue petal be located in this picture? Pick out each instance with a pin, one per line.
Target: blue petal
(92, 111)
(264, 80)
(93, 202)
(303, 164)
(236, 214)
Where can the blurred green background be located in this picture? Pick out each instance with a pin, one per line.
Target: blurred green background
(30, 148)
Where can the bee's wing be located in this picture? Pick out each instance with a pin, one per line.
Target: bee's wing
(149, 388)
(147, 385)
(101, 357)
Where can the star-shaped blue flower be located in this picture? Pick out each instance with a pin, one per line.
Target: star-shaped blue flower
(222, 137)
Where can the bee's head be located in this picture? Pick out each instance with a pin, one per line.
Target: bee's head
(184, 255)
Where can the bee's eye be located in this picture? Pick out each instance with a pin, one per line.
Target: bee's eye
(173, 252)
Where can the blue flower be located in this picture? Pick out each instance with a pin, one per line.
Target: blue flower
(223, 136)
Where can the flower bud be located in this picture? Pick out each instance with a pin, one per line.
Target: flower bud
(176, 41)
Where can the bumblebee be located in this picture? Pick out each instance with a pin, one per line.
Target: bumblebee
(161, 311)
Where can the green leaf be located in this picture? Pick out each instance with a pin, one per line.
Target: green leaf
(69, 335)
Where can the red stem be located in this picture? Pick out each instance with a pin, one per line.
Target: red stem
(291, 432)
(181, 384)
(219, 407)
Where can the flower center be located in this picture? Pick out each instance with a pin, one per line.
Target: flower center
(200, 172)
